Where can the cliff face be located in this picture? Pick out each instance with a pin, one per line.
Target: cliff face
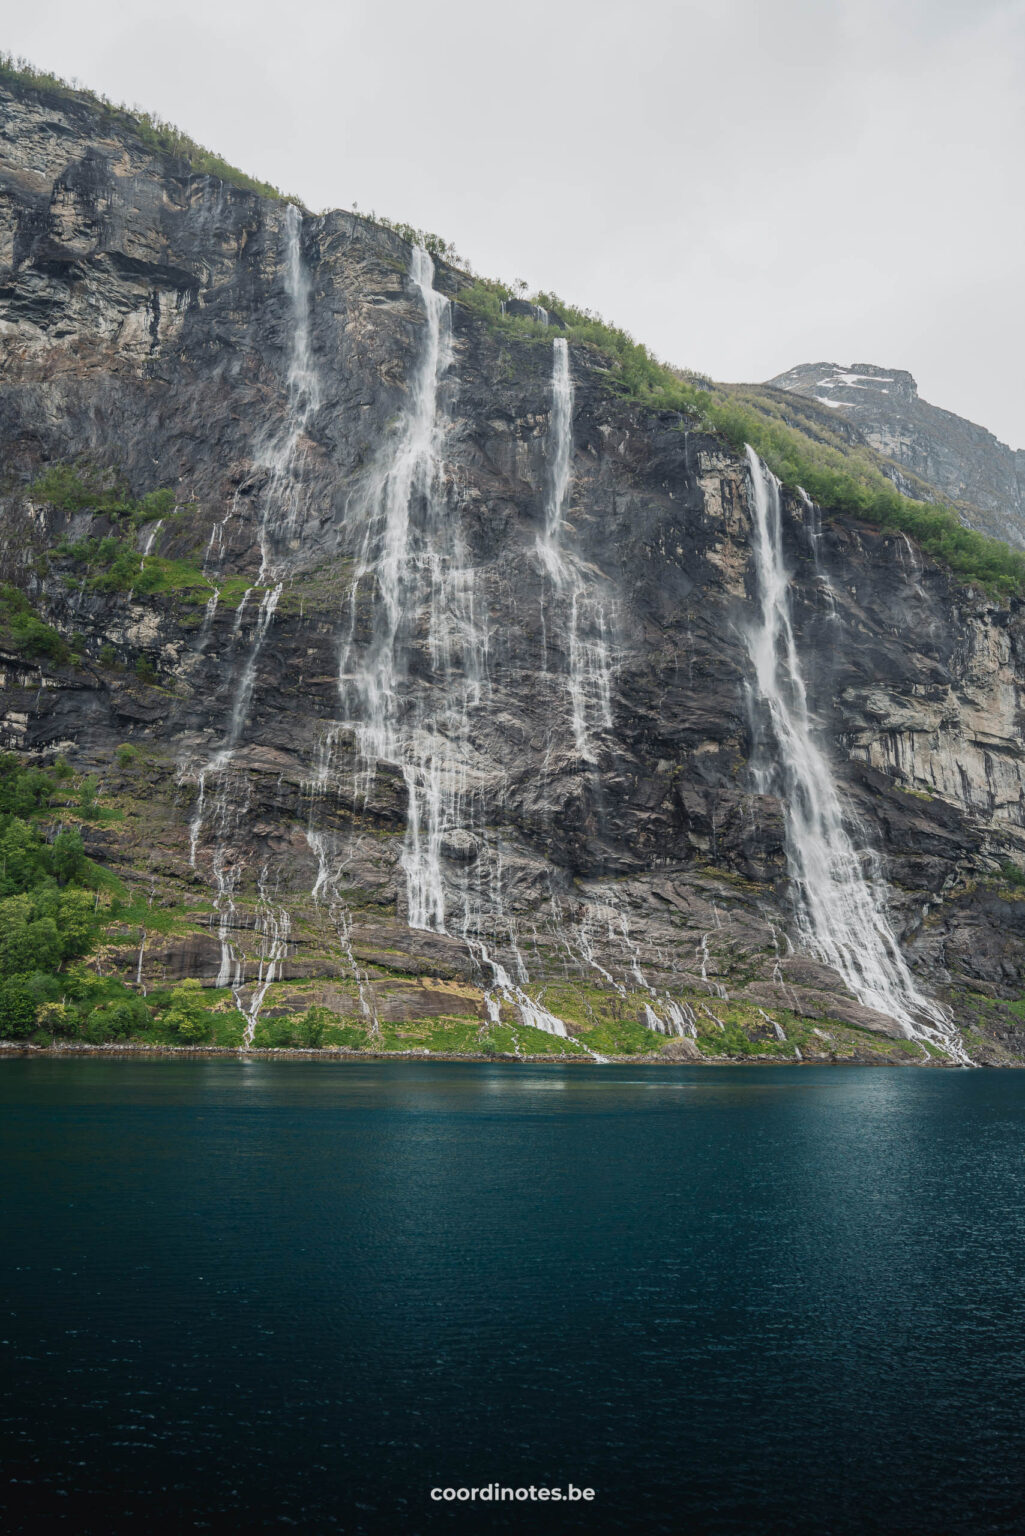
(462, 720)
(953, 458)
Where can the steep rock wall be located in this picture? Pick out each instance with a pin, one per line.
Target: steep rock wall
(149, 321)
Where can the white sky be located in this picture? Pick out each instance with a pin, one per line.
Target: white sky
(743, 184)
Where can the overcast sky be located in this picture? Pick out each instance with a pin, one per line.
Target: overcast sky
(743, 184)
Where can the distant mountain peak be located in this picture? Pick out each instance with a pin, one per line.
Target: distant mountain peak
(832, 383)
(957, 460)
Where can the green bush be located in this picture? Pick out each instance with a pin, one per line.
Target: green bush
(17, 1009)
(118, 1019)
(308, 1031)
(67, 856)
(126, 755)
(87, 798)
(58, 1019)
(185, 1016)
(28, 941)
(25, 631)
(290, 1033)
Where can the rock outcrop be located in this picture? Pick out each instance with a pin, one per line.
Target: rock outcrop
(341, 724)
(928, 452)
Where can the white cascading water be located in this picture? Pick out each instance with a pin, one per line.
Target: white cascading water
(840, 914)
(410, 555)
(411, 552)
(589, 656)
(279, 452)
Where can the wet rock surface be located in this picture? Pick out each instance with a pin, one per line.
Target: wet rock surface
(148, 323)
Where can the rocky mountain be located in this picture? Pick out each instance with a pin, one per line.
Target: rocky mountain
(928, 452)
(449, 689)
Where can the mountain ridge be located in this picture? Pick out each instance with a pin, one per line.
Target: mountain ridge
(955, 459)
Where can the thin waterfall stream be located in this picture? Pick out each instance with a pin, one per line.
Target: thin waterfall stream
(589, 657)
(840, 914)
(279, 453)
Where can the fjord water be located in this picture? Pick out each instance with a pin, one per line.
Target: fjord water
(245, 1295)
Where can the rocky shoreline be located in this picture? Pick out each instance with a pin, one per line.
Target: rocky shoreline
(336, 1054)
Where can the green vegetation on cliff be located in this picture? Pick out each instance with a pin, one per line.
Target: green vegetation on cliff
(55, 905)
(838, 477)
(83, 487)
(153, 131)
(24, 632)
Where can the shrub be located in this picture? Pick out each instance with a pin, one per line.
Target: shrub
(185, 1016)
(26, 631)
(27, 942)
(67, 856)
(57, 1018)
(17, 1009)
(308, 1031)
(87, 798)
(116, 1020)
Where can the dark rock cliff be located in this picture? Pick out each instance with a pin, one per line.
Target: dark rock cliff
(607, 854)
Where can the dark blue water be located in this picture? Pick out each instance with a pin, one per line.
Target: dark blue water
(261, 1296)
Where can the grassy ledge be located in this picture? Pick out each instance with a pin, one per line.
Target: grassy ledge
(845, 480)
(153, 131)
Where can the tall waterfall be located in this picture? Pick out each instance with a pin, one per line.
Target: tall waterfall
(413, 581)
(278, 453)
(559, 456)
(839, 912)
(589, 657)
(411, 552)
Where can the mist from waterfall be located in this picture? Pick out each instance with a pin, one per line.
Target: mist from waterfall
(840, 914)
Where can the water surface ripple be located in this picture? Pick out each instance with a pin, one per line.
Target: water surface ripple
(248, 1296)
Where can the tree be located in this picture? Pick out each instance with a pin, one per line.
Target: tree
(185, 1015)
(27, 943)
(67, 856)
(76, 922)
(309, 1029)
(17, 1009)
(116, 1020)
(87, 798)
(57, 1018)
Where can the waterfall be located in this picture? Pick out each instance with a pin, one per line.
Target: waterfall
(279, 452)
(414, 586)
(589, 656)
(151, 538)
(410, 553)
(840, 915)
(559, 456)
